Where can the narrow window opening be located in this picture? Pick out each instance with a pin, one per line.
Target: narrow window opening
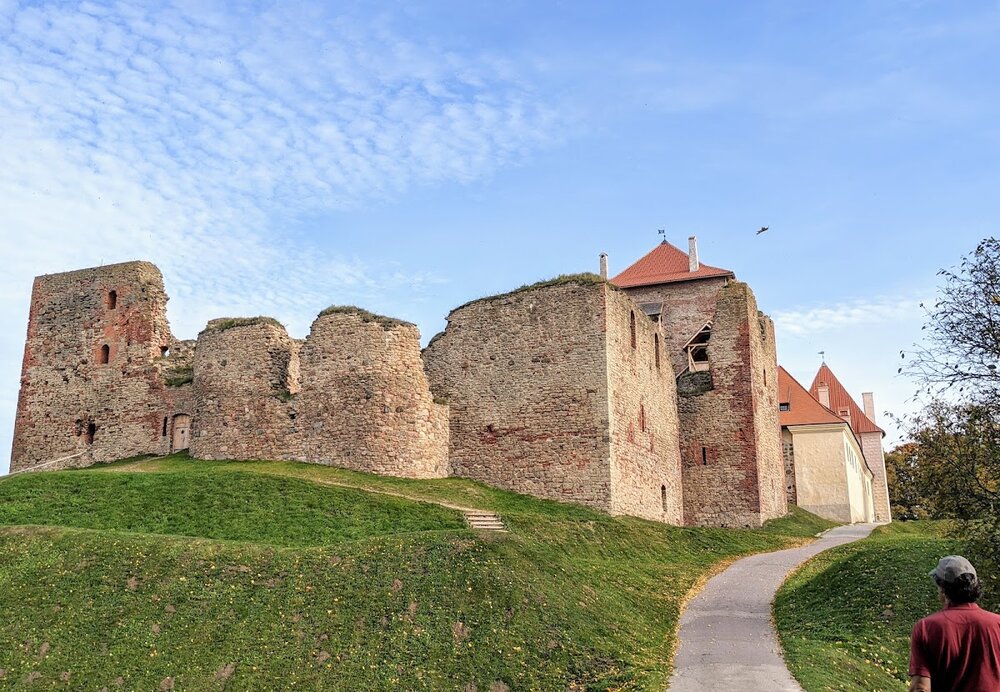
(164, 432)
(663, 497)
(765, 376)
(105, 355)
(642, 418)
(656, 350)
(164, 351)
(704, 456)
(697, 350)
(91, 430)
(631, 327)
(112, 300)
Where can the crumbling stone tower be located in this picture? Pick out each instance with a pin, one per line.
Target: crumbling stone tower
(562, 390)
(724, 358)
(92, 380)
(365, 402)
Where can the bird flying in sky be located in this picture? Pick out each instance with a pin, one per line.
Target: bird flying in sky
(762, 229)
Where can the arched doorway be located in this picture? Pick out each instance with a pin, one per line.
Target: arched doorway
(181, 432)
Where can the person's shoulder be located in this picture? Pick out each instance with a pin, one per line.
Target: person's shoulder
(989, 615)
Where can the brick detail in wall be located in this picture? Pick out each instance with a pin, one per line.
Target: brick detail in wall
(71, 402)
(733, 471)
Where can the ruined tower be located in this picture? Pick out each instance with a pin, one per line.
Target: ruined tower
(724, 358)
(93, 380)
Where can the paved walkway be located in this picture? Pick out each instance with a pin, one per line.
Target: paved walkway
(727, 639)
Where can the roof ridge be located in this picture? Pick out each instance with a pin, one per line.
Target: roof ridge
(666, 263)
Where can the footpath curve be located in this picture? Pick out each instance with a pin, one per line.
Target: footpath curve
(727, 637)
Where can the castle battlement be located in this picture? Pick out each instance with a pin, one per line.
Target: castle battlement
(574, 389)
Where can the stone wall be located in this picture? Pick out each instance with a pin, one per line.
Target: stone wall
(365, 402)
(788, 453)
(767, 419)
(524, 376)
(242, 387)
(871, 445)
(645, 436)
(548, 397)
(90, 384)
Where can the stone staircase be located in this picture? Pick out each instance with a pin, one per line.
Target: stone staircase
(485, 521)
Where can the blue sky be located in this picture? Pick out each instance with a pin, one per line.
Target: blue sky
(278, 158)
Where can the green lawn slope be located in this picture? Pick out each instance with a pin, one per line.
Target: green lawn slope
(182, 574)
(845, 617)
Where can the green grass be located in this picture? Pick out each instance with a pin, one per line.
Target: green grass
(845, 618)
(221, 324)
(234, 506)
(366, 316)
(262, 575)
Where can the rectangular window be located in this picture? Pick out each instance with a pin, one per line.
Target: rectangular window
(785, 407)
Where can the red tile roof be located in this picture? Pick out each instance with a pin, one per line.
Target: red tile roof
(803, 409)
(665, 264)
(840, 399)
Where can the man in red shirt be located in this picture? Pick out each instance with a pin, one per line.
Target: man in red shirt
(957, 648)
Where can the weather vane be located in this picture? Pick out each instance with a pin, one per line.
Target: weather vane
(663, 233)
(822, 354)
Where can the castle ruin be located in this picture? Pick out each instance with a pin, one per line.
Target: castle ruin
(641, 396)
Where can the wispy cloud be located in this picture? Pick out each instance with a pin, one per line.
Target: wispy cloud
(837, 316)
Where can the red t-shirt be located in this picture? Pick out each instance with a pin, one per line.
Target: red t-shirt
(958, 648)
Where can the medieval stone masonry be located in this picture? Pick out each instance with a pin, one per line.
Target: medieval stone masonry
(653, 396)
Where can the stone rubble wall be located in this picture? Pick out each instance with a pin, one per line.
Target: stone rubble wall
(241, 391)
(365, 402)
(524, 376)
(538, 391)
(767, 418)
(645, 464)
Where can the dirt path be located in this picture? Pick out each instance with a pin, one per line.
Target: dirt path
(727, 637)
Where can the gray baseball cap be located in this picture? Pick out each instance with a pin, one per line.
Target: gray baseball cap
(951, 568)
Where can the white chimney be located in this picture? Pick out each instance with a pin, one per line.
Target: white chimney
(693, 263)
(869, 400)
(824, 394)
(604, 266)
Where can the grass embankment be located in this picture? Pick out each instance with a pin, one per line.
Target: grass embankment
(204, 575)
(845, 617)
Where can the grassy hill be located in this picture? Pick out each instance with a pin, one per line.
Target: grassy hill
(845, 617)
(181, 574)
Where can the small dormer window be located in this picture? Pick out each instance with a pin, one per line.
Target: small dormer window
(784, 406)
(845, 413)
(112, 300)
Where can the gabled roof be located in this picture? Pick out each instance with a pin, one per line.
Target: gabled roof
(803, 408)
(665, 264)
(840, 399)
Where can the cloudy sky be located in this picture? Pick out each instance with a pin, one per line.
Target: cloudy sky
(275, 158)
